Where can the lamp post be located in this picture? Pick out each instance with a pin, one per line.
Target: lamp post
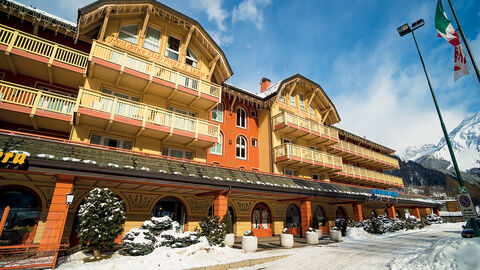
(69, 198)
(403, 30)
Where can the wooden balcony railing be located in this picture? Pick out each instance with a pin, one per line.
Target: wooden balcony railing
(13, 38)
(130, 61)
(307, 124)
(382, 178)
(146, 113)
(304, 154)
(35, 98)
(358, 150)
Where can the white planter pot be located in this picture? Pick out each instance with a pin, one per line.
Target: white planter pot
(229, 240)
(312, 238)
(336, 236)
(249, 243)
(320, 233)
(286, 240)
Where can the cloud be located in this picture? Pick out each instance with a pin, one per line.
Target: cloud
(221, 38)
(250, 10)
(214, 11)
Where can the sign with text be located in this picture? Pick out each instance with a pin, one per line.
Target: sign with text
(11, 160)
(381, 192)
(466, 205)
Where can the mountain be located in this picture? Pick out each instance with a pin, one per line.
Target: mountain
(465, 140)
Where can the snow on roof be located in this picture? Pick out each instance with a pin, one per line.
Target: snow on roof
(43, 15)
(270, 90)
(242, 90)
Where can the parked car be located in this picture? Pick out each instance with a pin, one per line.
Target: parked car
(468, 229)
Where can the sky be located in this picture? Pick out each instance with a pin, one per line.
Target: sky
(351, 49)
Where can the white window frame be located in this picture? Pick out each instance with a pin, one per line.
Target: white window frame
(193, 57)
(281, 98)
(240, 145)
(239, 117)
(293, 102)
(171, 50)
(301, 100)
(150, 42)
(289, 172)
(103, 139)
(218, 148)
(311, 109)
(116, 93)
(219, 112)
(184, 152)
(128, 33)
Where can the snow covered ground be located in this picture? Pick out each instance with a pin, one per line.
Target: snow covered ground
(434, 247)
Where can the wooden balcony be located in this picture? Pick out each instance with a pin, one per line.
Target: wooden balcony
(41, 58)
(358, 154)
(355, 175)
(32, 107)
(112, 113)
(291, 155)
(130, 71)
(302, 128)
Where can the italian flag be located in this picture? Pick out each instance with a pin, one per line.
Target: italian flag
(446, 30)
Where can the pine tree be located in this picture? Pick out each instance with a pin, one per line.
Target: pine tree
(227, 219)
(213, 230)
(101, 218)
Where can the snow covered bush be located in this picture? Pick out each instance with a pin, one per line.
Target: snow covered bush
(285, 231)
(214, 230)
(248, 233)
(101, 218)
(379, 225)
(138, 242)
(413, 223)
(341, 224)
(433, 219)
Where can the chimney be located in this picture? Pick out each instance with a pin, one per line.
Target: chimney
(264, 84)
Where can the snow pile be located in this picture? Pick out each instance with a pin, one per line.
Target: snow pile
(354, 233)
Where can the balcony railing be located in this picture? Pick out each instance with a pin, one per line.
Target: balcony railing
(35, 98)
(303, 154)
(358, 150)
(146, 113)
(13, 38)
(360, 173)
(153, 69)
(307, 124)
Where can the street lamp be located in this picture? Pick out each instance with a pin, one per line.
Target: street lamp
(403, 30)
(70, 197)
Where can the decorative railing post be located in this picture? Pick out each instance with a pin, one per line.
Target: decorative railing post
(12, 43)
(38, 96)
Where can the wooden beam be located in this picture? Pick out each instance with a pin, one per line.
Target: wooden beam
(145, 23)
(101, 35)
(231, 104)
(11, 64)
(186, 41)
(212, 193)
(212, 67)
(324, 117)
(287, 96)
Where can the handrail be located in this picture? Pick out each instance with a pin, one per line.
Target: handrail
(304, 153)
(376, 176)
(35, 98)
(146, 113)
(125, 59)
(287, 117)
(13, 38)
(366, 152)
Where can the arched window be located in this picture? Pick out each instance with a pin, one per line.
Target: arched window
(341, 213)
(241, 149)
(217, 113)
(261, 217)
(293, 217)
(171, 207)
(241, 118)
(319, 215)
(218, 148)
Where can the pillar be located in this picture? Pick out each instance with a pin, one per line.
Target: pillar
(391, 211)
(357, 211)
(57, 213)
(416, 212)
(306, 215)
(436, 211)
(220, 205)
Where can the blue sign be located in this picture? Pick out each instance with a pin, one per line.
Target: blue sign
(384, 192)
(464, 201)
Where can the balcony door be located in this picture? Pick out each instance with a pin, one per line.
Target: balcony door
(183, 123)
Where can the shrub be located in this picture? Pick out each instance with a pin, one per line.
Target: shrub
(214, 230)
(413, 222)
(433, 219)
(285, 231)
(227, 219)
(138, 242)
(315, 222)
(341, 224)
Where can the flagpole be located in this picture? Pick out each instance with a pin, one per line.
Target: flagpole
(465, 41)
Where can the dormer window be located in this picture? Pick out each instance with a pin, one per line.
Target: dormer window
(173, 48)
(302, 102)
(129, 33)
(281, 98)
(292, 99)
(191, 58)
(152, 39)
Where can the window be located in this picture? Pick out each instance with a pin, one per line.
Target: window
(316, 177)
(171, 152)
(283, 140)
(173, 48)
(217, 113)
(253, 114)
(312, 110)
(302, 102)
(281, 98)
(180, 111)
(129, 33)
(120, 95)
(292, 99)
(254, 142)
(111, 142)
(241, 118)
(241, 149)
(191, 58)
(289, 172)
(152, 39)
(217, 149)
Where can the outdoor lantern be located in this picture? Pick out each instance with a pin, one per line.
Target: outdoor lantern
(70, 197)
(404, 29)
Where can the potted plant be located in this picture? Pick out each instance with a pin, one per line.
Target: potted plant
(249, 241)
(335, 234)
(311, 236)
(315, 227)
(286, 239)
(230, 237)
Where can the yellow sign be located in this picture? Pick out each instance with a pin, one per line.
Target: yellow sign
(168, 62)
(17, 158)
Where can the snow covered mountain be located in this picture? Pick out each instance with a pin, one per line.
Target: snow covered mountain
(465, 142)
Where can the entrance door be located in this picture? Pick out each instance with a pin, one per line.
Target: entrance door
(321, 219)
(293, 222)
(261, 221)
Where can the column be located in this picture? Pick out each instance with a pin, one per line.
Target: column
(58, 211)
(391, 211)
(357, 211)
(416, 212)
(220, 205)
(306, 215)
